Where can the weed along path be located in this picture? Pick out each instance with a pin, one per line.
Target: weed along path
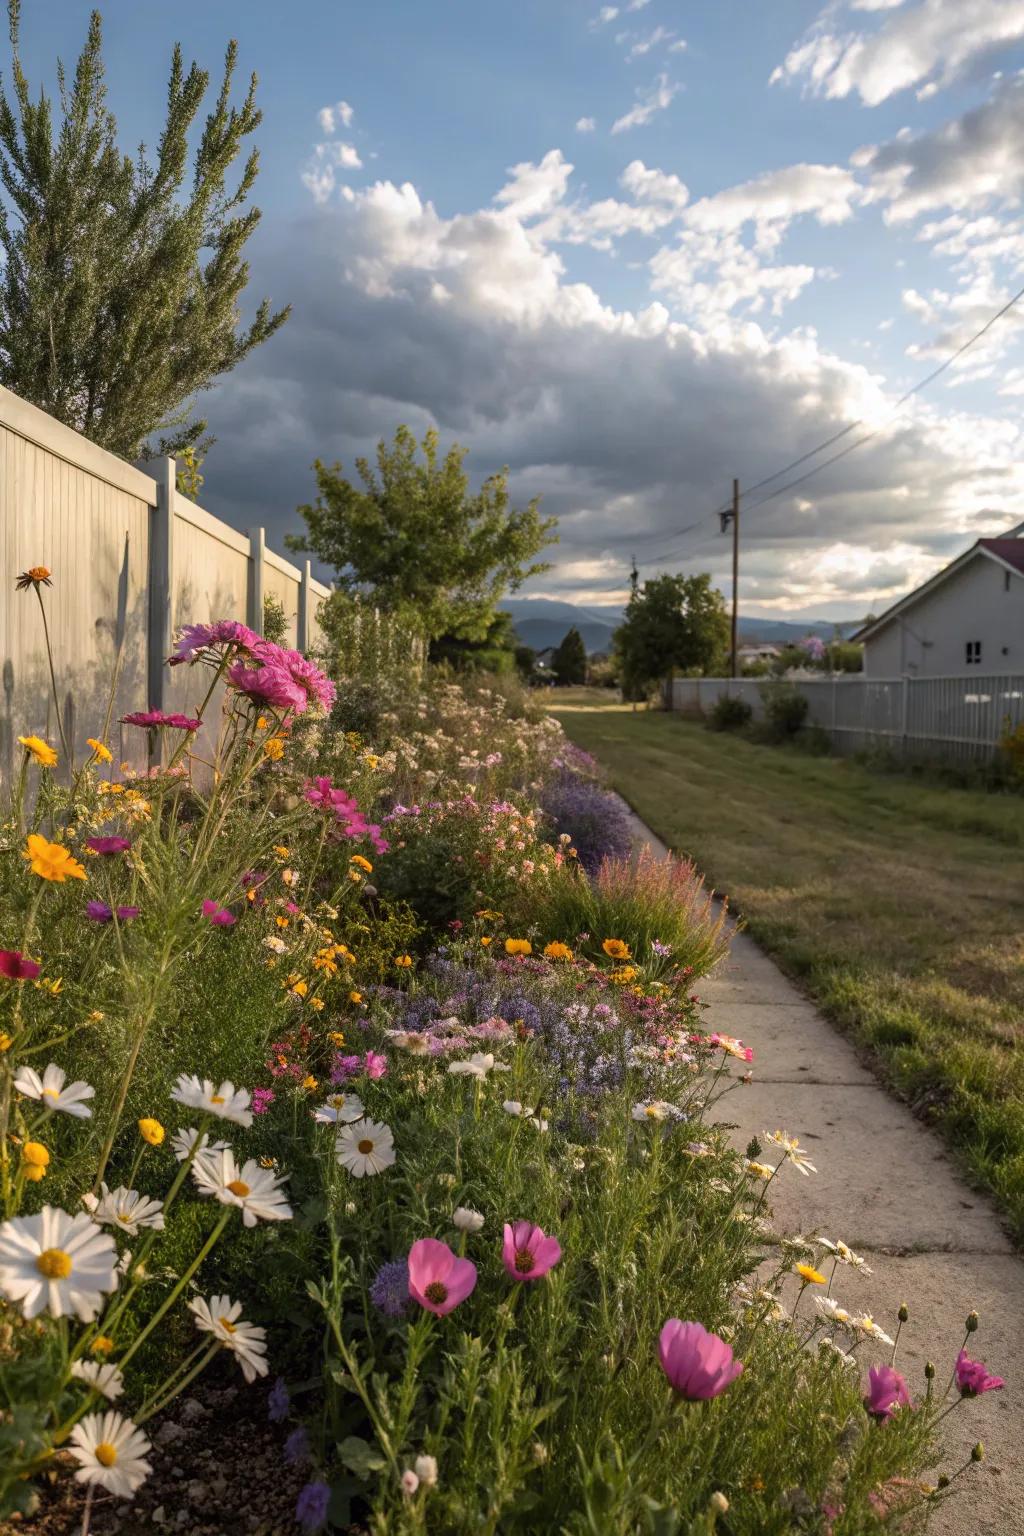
(885, 1187)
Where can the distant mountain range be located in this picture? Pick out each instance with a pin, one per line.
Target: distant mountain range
(542, 622)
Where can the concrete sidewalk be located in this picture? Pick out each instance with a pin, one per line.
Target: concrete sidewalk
(886, 1187)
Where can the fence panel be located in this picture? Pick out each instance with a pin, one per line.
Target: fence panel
(959, 717)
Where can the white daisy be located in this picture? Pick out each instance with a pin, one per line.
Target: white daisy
(125, 1209)
(478, 1065)
(222, 1317)
(366, 1148)
(413, 1041)
(793, 1150)
(847, 1256)
(866, 1324)
(831, 1311)
(226, 1102)
(466, 1219)
(184, 1141)
(656, 1109)
(56, 1263)
(106, 1379)
(513, 1107)
(111, 1452)
(340, 1107)
(51, 1092)
(277, 945)
(256, 1190)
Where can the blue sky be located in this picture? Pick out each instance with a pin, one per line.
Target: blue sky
(777, 218)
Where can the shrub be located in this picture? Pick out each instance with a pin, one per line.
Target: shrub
(595, 820)
(729, 713)
(785, 710)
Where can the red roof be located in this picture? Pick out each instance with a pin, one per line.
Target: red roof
(1010, 550)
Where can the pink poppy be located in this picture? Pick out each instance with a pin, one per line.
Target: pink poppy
(438, 1278)
(219, 916)
(698, 1364)
(16, 967)
(108, 845)
(527, 1254)
(887, 1391)
(972, 1377)
(153, 719)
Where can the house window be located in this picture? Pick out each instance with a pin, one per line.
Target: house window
(973, 653)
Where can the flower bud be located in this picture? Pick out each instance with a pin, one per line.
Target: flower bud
(929, 1371)
(410, 1482)
(426, 1470)
(904, 1312)
(972, 1322)
(718, 1503)
(539, 1451)
(978, 1452)
(943, 1481)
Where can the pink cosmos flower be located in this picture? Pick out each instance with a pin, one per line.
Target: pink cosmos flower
(153, 719)
(526, 1253)
(438, 1279)
(194, 639)
(16, 967)
(269, 681)
(315, 684)
(375, 1065)
(698, 1364)
(887, 1391)
(108, 845)
(972, 1377)
(262, 1098)
(219, 916)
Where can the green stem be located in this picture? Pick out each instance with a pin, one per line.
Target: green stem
(168, 1302)
(53, 680)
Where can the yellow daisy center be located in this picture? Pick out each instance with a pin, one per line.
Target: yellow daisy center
(217, 1098)
(106, 1454)
(365, 1146)
(240, 1188)
(227, 1325)
(51, 1093)
(54, 1263)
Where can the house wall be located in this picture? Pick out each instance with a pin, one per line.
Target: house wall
(930, 638)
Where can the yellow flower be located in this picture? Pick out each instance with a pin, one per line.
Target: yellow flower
(281, 852)
(317, 1004)
(518, 947)
(282, 922)
(52, 984)
(51, 861)
(41, 750)
(101, 1345)
(274, 748)
(296, 985)
(615, 949)
(107, 788)
(762, 1170)
(489, 916)
(101, 753)
(35, 576)
(557, 951)
(485, 942)
(354, 876)
(355, 997)
(263, 724)
(6, 1041)
(371, 759)
(336, 1037)
(403, 961)
(35, 1161)
(624, 974)
(152, 1131)
(310, 1082)
(362, 863)
(96, 1016)
(809, 1274)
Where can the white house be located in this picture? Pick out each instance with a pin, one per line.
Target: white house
(968, 618)
(746, 654)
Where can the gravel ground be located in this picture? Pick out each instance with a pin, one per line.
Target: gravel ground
(218, 1470)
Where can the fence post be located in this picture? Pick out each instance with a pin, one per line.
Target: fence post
(161, 576)
(257, 546)
(905, 714)
(305, 603)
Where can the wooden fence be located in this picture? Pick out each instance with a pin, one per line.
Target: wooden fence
(958, 717)
(132, 560)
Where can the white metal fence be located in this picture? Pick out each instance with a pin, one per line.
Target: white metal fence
(961, 717)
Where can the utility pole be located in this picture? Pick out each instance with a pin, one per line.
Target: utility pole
(734, 518)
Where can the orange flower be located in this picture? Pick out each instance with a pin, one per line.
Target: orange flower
(51, 861)
(403, 961)
(101, 753)
(485, 942)
(557, 951)
(615, 949)
(274, 748)
(362, 863)
(518, 947)
(41, 750)
(36, 576)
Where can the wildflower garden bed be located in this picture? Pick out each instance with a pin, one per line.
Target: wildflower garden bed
(339, 1101)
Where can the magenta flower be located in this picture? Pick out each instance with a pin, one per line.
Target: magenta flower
(315, 684)
(108, 845)
(438, 1279)
(346, 1067)
(698, 1364)
(15, 966)
(269, 680)
(219, 916)
(194, 639)
(527, 1254)
(972, 1377)
(99, 912)
(375, 1065)
(262, 1098)
(887, 1391)
(153, 719)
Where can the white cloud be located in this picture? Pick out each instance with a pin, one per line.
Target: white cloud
(828, 191)
(535, 189)
(649, 102)
(320, 174)
(637, 5)
(606, 14)
(651, 186)
(925, 45)
(655, 39)
(338, 116)
(585, 124)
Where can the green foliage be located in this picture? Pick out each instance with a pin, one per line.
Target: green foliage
(729, 713)
(188, 479)
(119, 299)
(275, 624)
(672, 624)
(495, 653)
(417, 541)
(785, 709)
(569, 662)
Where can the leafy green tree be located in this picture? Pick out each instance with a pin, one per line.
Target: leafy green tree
(672, 624)
(415, 540)
(569, 662)
(119, 298)
(496, 652)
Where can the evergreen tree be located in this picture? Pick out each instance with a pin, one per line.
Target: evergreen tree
(119, 298)
(417, 542)
(569, 662)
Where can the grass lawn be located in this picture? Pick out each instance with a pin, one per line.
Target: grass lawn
(898, 905)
